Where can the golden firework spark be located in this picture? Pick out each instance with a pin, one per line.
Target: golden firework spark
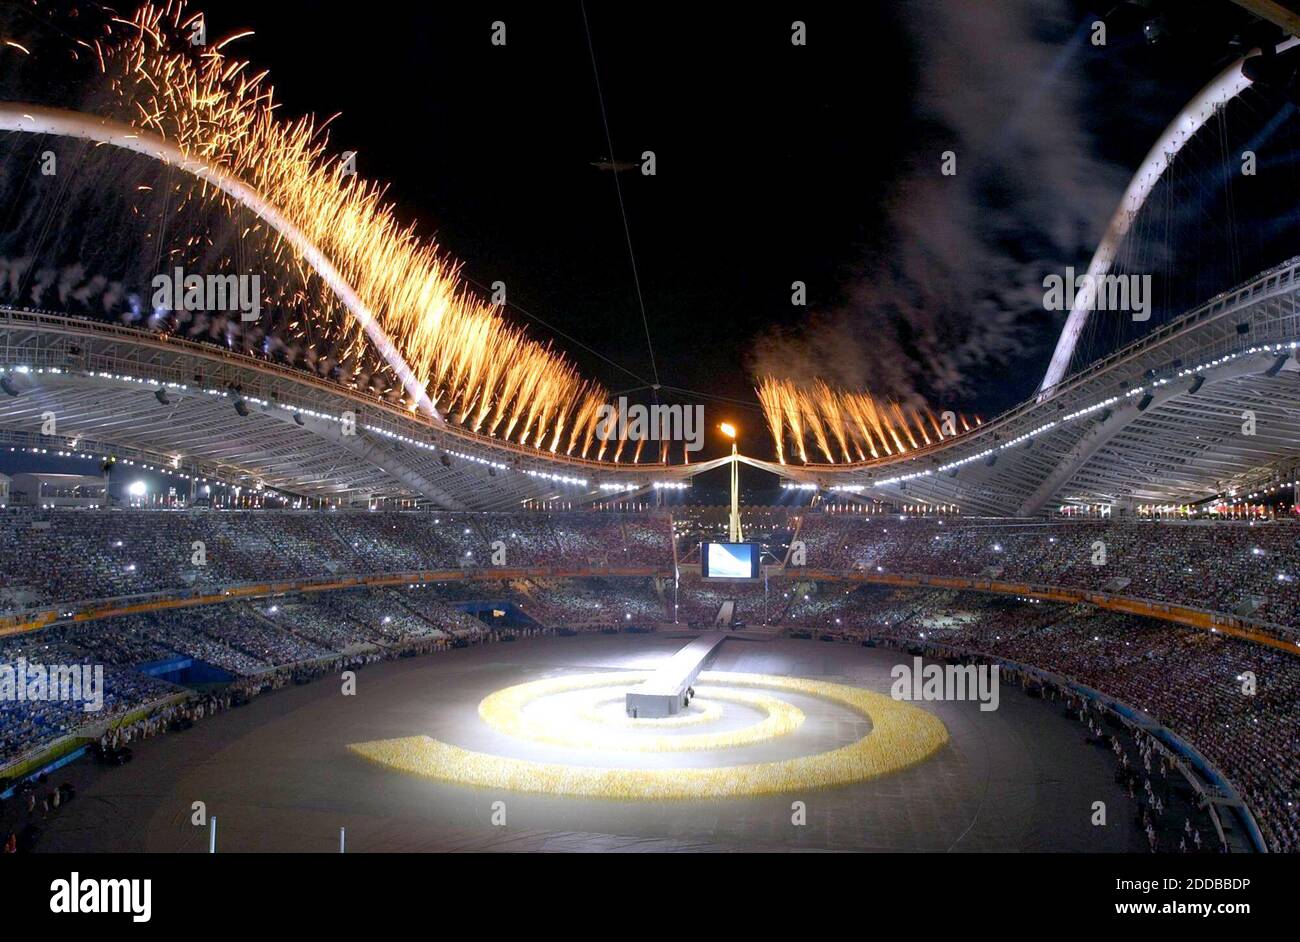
(483, 372)
(846, 426)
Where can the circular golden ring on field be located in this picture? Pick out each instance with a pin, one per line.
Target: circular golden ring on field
(902, 735)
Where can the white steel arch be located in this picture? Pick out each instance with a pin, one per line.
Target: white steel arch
(37, 119)
(1225, 86)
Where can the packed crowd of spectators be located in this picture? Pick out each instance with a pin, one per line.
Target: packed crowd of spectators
(255, 640)
(305, 627)
(1187, 679)
(34, 801)
(1192, 681)
(1223, 566)
(699, 602)
(834, 609)
(427, 606)
(27, 723)
(247, 641)
(313, 621)
(49, 557)
(590, 603)
(374, 615)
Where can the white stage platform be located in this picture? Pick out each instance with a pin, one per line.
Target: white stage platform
(663, 693)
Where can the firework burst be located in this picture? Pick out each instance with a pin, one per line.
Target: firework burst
(483, 373)
(844, 427)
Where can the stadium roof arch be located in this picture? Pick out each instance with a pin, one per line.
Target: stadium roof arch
(1161, 421)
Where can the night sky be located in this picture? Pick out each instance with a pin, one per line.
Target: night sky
(768, 168)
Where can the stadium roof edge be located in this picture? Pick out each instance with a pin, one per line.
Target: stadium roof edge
(1155, 421)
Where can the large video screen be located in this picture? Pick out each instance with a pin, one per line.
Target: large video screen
(729, 560)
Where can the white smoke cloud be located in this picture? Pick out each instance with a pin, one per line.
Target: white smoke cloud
(60, 289)
(958, 291)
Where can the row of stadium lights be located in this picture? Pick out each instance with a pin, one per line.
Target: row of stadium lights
(241, 397)
(1110, 401)
(919, 510)
(875, 508)
(1226, 503)
(162, 386)
(477, 459)
(137, 489)
(854, 488)
(406, 439)
(657, 485)
(1187, 511)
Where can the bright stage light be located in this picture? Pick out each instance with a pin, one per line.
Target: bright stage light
(728, 429)
(557, 711)
(137, 489)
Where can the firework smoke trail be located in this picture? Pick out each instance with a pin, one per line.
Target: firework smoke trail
(480, 369)
(856, 426)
